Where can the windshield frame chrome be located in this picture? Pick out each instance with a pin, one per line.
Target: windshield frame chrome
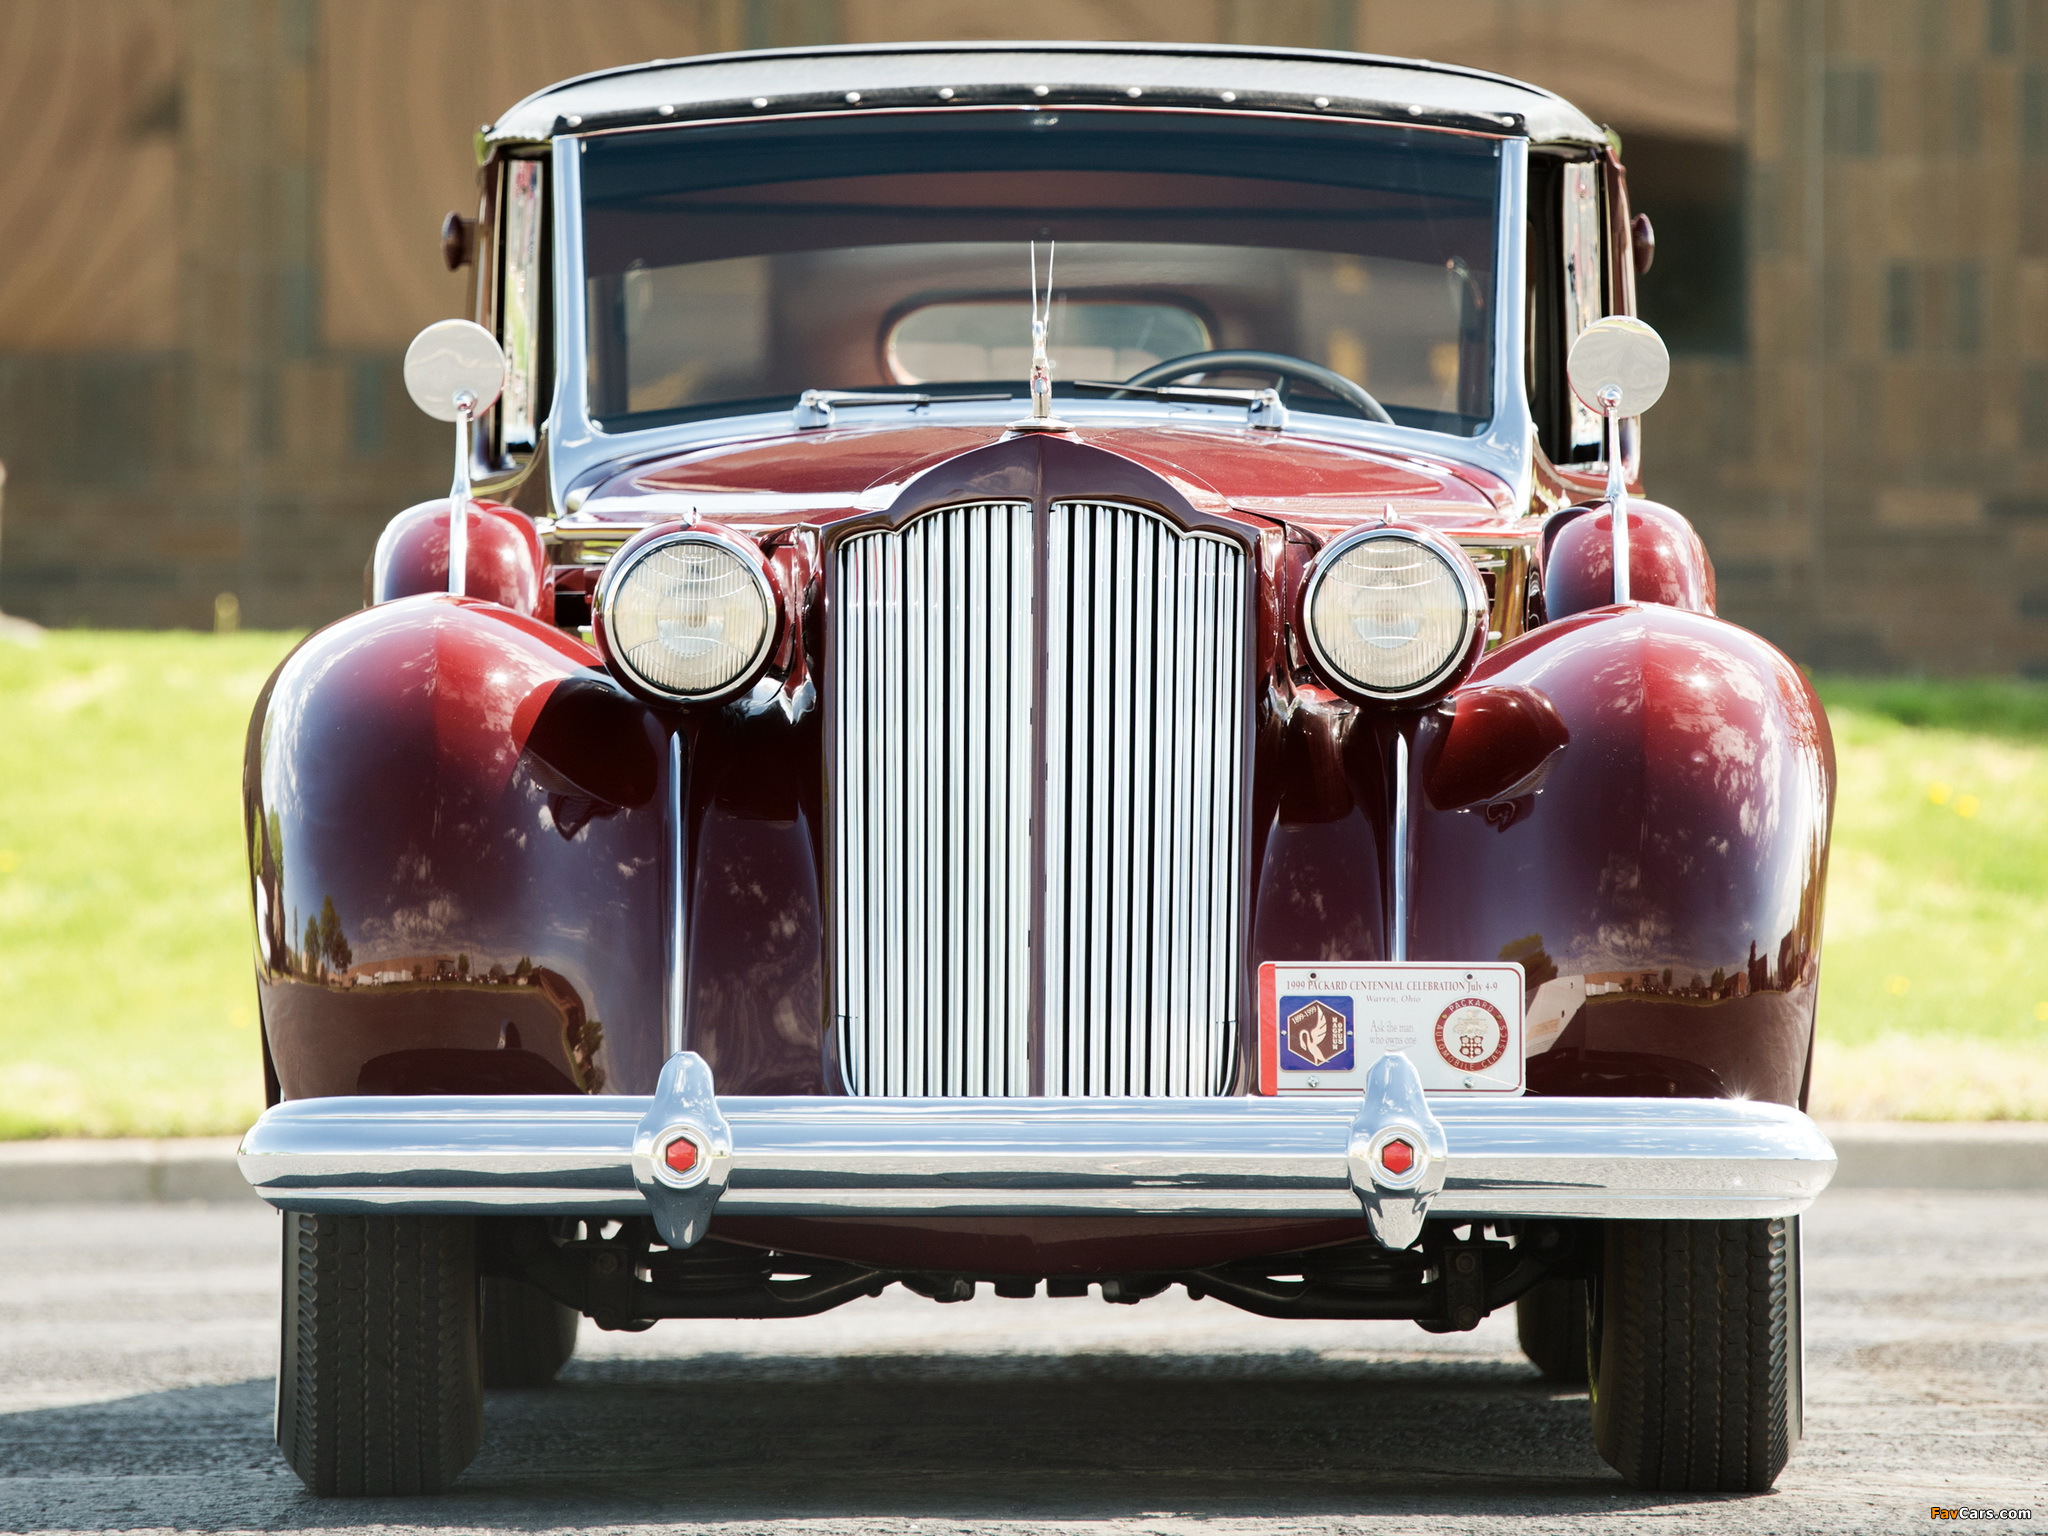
(580, 452)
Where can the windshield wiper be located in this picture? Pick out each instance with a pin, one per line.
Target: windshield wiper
(815, 406)
(1262, 406)
(1194, 391)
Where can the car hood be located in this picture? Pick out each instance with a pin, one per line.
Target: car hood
(1290, 477)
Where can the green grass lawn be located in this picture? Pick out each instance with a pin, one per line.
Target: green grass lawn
(126, 1006)
(1934, 974)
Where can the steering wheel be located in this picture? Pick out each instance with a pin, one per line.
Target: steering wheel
(1278, 363)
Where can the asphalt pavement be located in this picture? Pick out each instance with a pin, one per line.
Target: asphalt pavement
(137, 1349)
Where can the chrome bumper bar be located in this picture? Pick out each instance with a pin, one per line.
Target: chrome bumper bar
(1296, 1156)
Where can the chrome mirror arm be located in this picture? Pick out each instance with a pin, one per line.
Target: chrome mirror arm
(1617, 488)
(455, 371)
(1618, 367)
(458, 494)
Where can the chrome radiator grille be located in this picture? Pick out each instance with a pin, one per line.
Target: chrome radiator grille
(931, 868)
(940, 889)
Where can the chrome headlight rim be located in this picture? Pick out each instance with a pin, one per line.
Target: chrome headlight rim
(650, 542)
(1455, 666)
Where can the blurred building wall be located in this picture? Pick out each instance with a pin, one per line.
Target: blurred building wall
(221, 232)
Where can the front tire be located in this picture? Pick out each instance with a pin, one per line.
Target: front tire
(1695, 1372)
(1550, 1324)
(528, 1336)
(378, 1388)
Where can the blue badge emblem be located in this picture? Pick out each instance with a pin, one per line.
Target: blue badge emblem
(1315, 1034)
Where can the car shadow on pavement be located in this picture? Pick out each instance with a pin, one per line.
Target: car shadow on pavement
(881, 1437)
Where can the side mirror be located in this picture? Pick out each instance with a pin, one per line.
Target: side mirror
(455, 371)
(450, 359)
(1618, 367)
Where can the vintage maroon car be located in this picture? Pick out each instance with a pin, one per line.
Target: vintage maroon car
(1038, 694)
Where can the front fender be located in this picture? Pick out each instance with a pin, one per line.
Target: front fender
(1661, 879)
(457, 852)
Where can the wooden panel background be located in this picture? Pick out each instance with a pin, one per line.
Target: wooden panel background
(218, 231)
(404, 85)
(88, 227)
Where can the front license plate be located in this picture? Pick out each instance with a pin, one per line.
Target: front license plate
(1323, 1025)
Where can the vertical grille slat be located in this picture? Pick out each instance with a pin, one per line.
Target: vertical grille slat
(1137, 648)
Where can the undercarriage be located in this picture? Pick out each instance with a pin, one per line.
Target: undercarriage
(620, 1274)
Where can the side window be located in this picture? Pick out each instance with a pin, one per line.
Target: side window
(1567, 291)
(521, 310)
(1584, 288)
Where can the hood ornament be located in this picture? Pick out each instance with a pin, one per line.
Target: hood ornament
(1041, 418)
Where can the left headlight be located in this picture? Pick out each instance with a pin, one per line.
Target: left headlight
(1393, 615)
(686, 615)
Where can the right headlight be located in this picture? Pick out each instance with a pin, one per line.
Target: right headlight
(685, 615)
(1391, 615)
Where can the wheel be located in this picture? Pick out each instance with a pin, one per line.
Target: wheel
(378, 1390)
(1550, 1321)
(1695, 1370)
(527, 1335)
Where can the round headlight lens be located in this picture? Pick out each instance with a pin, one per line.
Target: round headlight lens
(688, 617)
(1390, 615)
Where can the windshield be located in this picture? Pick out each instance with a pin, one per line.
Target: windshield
(732, 267)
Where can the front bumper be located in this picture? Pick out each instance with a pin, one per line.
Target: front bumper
(1298, 1156)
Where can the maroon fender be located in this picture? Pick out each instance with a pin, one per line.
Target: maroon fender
(1667, 563)
(1495, 751)
(1662, 881)
(457, 845)
(506, 564)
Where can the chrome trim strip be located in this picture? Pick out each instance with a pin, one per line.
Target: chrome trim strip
(1626, 1158)
(1397, 926)
(678, 903)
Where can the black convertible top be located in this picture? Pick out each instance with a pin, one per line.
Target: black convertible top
(939, 76)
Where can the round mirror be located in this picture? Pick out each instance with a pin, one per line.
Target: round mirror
(1622, 358)
(448, 358)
